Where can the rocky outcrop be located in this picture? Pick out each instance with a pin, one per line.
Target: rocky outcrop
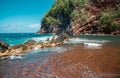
(30, 42)
(30, 45)
(93, 24)
(3, 46)
(73, 17)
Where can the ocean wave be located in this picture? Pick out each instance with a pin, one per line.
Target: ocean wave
(12, 57)
(83, 40)
(93, 45)
(50, 50)
(42, 39)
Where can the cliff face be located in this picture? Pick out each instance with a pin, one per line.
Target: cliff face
(83, 17)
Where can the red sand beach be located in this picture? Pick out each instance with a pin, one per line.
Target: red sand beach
(79, 62)
(87, 63)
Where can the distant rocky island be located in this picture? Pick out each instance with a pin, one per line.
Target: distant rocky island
(83, 17)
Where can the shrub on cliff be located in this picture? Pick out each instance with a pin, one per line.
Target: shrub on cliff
(79, 3)
(61, 13)
(110, 27)
(74, 14)
(117, 12)
(50, 20)
(107, 19)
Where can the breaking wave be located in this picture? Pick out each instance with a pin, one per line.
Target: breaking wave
(83, 40)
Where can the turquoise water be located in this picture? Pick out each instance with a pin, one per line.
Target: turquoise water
(20, 38)
(98, 37)
(89, 41)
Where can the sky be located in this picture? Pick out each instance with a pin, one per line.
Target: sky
(22, 16)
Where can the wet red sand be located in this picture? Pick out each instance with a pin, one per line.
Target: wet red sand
(77, 63)
(83, 63)
(87, 63)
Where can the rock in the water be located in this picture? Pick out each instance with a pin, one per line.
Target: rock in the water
(62, 37)
(30, 42)
(53, 45)
(3, 46)
(17, 46)
(25, 48)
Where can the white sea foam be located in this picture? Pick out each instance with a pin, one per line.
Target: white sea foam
(82, 40)
(36, 48)
(43, 39)
(58, 49)
(12, 57)
(93, 45)
(51, 49)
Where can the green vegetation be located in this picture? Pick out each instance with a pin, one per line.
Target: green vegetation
(116, 12)
(105, 17)
(108, 19)
(61, 12)
(83, 17)
(50, 20)
(74, 14)
(110, 26)
(80, 15)
(78, 3)
(65, 13)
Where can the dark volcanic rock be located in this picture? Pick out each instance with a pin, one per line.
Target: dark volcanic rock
(3, 46)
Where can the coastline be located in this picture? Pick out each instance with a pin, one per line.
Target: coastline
(73, 39)
(100, 34)
(82, 57)
(83, 63)
(21, 49)
(79, 62)
(31, 44)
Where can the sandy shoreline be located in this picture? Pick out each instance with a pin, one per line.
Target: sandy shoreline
(79, 62)
(86, 63)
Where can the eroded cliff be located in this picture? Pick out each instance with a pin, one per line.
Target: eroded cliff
(83, 17)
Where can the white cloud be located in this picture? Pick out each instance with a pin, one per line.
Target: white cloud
(35, 26)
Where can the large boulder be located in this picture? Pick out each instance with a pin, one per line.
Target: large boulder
(62, 37)
(3, 46)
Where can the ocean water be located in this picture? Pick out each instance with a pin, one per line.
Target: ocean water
(20, 38)
(88, 41)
